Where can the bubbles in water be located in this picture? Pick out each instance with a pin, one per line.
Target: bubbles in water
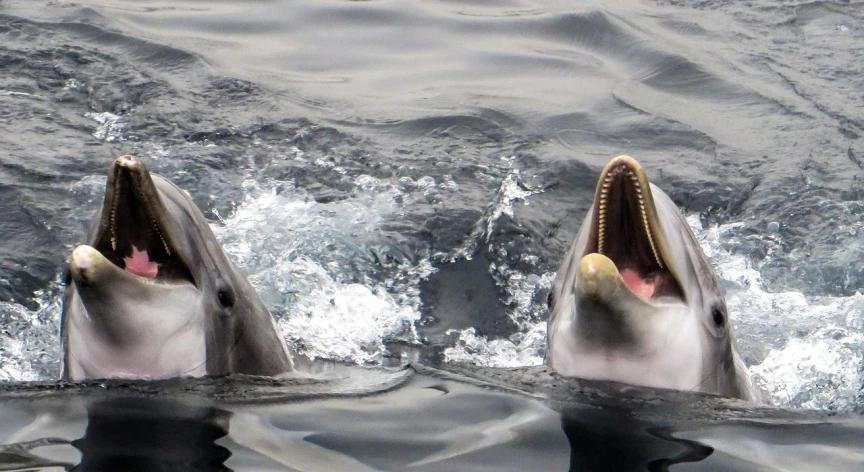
(110, 127)
(30, 340)
(314, 265)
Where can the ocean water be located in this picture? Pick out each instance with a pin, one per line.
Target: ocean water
(400, 180)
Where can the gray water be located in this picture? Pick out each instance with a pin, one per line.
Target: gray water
(401, 179)
(417, 419)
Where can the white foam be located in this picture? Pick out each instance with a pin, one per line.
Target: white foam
(818, 371)
(30, 339)
(520, 350)
(311, 263)
(110, 127)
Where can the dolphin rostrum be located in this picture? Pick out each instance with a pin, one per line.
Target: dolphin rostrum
(153, 294)
(636, 300)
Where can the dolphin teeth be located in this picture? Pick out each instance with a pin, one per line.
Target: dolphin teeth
(648, 230)
(159, 233)
(604, 191)
(112, 221)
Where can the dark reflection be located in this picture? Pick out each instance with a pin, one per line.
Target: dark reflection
(152, 435)
(603, 440)
(18, 456)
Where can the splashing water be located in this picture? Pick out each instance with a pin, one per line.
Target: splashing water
(110, 127)
(311, 262)
(30, 340)
(811, 347)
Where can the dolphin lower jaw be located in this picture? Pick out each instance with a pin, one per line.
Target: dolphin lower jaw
(133, 233)
(625, 228)
(610, 315)
(627, 339)
(122, 304)
(125, 326)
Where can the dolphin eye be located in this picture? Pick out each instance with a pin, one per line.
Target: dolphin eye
(550, 299)
(719, 317)
(67, 278)
(226, 298)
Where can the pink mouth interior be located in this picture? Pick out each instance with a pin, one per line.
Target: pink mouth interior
(638, 285)
(140, 264)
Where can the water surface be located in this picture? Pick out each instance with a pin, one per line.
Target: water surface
(401, 180)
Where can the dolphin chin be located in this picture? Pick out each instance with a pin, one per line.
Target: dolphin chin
(636, 300)
(153, 295)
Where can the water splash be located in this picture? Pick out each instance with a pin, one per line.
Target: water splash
(521, 349)
(525, 307)
(811, 348)
(510, 191)
(339, 284)
(110, 127)
(29, 340)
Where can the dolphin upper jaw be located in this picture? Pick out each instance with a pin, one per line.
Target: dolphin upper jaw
(624, 226)
(133, 227)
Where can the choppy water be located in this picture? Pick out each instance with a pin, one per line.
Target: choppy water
(400, 179)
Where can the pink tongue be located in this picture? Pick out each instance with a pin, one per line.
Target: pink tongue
(139, 264)
(637, 284)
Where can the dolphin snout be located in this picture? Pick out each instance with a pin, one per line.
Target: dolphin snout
(598, 277)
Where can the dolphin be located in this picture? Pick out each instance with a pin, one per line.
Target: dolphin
(153, 295)
(636, 300)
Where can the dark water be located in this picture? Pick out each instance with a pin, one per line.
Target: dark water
(407, 420)
(400, 180)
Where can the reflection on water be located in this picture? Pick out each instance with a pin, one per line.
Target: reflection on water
(434, 421)
(136, 434)
(603, 440)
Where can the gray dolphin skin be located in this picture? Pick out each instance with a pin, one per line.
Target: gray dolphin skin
(153, 295)
(636, 300)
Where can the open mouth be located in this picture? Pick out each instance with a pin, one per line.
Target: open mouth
(625, 229)
(132, 231)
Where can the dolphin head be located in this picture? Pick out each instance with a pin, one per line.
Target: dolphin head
(152, 294)
(636, 300)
